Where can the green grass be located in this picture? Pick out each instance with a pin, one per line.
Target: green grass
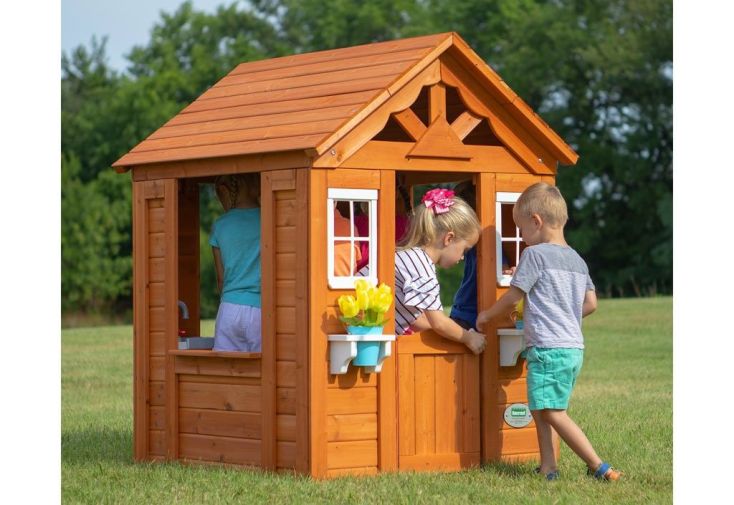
(623, 401)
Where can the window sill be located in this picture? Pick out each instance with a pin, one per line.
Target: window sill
(216, 354)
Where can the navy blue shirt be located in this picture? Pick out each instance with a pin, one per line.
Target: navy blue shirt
(465, 299)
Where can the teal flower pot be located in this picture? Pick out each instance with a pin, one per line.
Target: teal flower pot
(368, 353)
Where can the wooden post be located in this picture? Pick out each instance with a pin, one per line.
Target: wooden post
(386, 381)
(267, 262)
(486, 296)
(318, 352)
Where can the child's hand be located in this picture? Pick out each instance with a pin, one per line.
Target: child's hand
(483, 318)
(475, 341)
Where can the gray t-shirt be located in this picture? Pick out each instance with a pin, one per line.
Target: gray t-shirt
(555, 280)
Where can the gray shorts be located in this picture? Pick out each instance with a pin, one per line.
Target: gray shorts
(237, 328)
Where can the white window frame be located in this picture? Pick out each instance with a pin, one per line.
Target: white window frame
(505, 198)
(351, 195)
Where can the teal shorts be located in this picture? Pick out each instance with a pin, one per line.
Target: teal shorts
(551, 376)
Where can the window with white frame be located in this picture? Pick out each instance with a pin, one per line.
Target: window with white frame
(509, 242)
(352, 235)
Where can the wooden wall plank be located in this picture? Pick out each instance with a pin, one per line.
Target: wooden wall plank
(286, 289)
(318, 351)
(285, 373)
(285, 320)
(449, 417)
(157, 418)
(486, 297)
(513, 391)
(220, 396)
(521, 440)
(425, 403)
(241, 451)
(156, 393)
(140, 216)
(406, 413)
(351, 401)
(352, 454)
(268, 324)
(285, 455)
(285, 400)
(232, 367)
(286, 427)
(387, 388)
(471, 402)
(355, 377)
(353, 178)
(301, 294)
(361, 471)
(171, 188)
(285, 346)
(156, 443)
(220, 423)
(220, 164)
(342, 427)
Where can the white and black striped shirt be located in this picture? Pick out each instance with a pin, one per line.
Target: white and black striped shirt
(416, 287)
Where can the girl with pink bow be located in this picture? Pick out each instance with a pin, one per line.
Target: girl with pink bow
(441, 230)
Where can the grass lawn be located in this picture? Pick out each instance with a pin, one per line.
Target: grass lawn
(623, 401)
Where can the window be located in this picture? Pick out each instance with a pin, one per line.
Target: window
(349, 211)
(509, 241)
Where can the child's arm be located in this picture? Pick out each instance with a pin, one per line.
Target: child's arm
(589, 303)
(448, 328)
(504, 305)
(421, 323)
(218, 267)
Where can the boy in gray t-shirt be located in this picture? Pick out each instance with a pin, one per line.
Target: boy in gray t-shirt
(555, 284)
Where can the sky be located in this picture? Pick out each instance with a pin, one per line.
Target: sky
(126, 23)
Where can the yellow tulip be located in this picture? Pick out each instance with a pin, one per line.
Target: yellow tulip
(520, 308)
(348, 306)
(362, 284)
(384, 288)
(381, 302)
(363, 299)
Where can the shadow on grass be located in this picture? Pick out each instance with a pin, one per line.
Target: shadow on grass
(510, 470)
(97, 445)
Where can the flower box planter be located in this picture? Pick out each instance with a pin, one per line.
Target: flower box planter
(343, 349)
(512, 343)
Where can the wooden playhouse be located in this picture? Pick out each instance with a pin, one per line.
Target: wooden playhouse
(321, 128)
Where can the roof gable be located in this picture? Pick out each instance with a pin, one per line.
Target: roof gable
(311, 101)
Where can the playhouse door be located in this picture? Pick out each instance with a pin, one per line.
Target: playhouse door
(438, 403)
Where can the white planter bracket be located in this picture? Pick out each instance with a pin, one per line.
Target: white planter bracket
(343, 349)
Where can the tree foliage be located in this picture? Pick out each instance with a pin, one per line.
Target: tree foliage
(598, 71)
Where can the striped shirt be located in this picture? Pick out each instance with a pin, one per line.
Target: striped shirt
(416, 287)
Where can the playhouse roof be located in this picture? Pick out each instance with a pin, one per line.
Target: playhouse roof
(309, 101)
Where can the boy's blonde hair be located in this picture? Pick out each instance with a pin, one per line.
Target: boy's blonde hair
(545, 200)
(426, 226)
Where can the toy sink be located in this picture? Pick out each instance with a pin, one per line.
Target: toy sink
(188, 343)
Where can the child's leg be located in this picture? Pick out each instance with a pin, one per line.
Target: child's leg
(572, 435)
(545, 442)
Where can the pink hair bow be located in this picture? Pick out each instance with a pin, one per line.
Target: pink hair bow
(439, 200)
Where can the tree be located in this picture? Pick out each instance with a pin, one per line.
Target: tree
(600, 73)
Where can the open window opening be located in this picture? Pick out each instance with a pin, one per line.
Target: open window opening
(200, 206)
(416, 185)
(352, 235)
(510, 244)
